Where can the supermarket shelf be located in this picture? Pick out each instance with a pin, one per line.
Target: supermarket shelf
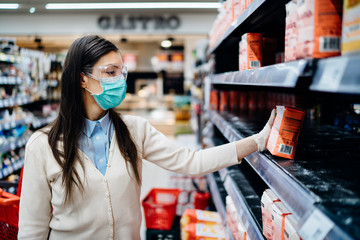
(18, 143)
(252, 228)
(255, 14)
(338, 75)
(282, 177)
(38, 122)
(215, 194)
(15, 101)
(9, 58)
(12, 124)
(10, 169)
(278, 75)
(10, 80)
(219, 204)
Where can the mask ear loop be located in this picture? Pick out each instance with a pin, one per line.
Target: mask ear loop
(92, 76)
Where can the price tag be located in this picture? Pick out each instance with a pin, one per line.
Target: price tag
(11, 102)
(316, 227)
(332, 75)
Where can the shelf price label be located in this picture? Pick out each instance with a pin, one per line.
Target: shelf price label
(333, 73)
(316, 227)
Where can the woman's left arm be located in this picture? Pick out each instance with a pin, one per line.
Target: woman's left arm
(165, 153)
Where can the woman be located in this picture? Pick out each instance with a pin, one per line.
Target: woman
(82, 174)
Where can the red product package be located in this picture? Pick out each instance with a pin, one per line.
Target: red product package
(243, 101)
(224, 101)
(214, 100)
(285, 131)
(234, 104)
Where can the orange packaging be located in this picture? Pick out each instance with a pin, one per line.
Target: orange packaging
(318, 28)
(251, 51)
(350, 40)
(269, 51)
(278, 214)
(234, 221)
(248, 3)
(252, 100)
(237, 11)
(243, 101)
(224, 101)
(290, 31)
(267, 200)
(242, 6)
(199, 216)
(214, 100)
(202, 231)
(234, 97)
(285, 131)
(289, 231)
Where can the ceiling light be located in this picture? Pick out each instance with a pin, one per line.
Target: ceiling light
(166, 44)
(135, 5)
(9, 5)
(32, 10)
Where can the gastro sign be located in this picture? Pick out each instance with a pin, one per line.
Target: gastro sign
(139, 22)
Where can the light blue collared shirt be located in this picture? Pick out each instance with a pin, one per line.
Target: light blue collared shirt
(95, 141)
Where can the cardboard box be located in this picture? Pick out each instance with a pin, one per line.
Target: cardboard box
(234, 100)
(199, 216)
(267, 200)
(243, 101)
(290, 31)
(224, 101)
(285, 131)
(350, 40)
(203, 231)
(214, 100)
(318, 28)
(279, 212)
(289, 231)
(250, 51)
(234, 222)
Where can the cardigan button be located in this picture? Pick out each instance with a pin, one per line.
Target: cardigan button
(110, 223)
(107, 195)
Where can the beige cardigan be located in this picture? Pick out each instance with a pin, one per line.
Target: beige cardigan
(110, 206)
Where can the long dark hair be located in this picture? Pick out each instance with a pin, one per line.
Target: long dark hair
(82, 55)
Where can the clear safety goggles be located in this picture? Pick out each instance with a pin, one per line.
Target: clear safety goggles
(109, 73)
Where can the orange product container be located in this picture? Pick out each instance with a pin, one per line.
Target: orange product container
(278, 214)
(248, 3)
(224, 101)
(350, 40)
(199, 216)
(203, 231)
(318, 28)
(242, 6)
(269, 51)
(160, 208)
(290, 31)
(237, 12)
(261, 100)
(252, 101)
(243, 101)
(285, 131)
(9, 215)
(251, 51)
(214, 100)
(234, 100)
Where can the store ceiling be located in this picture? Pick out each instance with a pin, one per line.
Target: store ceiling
(58, 43)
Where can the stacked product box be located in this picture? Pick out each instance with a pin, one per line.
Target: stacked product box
(290, 31)
(285, 132)
(318, 28)
(250, 51)
(283, 223)
(350, 40)
(234, 222)
(278, 222)
(267, 200)
(199, 224)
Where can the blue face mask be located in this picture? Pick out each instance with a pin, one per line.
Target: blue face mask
(114, 91)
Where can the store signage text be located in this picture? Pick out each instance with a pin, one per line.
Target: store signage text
(139, 22)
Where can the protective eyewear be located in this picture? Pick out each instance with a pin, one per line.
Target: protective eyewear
(108, 73)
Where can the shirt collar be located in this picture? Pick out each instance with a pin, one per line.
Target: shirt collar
(90, 125)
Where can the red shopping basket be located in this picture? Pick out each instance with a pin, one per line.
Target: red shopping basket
(9, 215)
(160, 208)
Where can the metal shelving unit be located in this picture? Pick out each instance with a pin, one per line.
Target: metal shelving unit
(278, 174)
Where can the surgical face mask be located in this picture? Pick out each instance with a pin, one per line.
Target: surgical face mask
(113, 83)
